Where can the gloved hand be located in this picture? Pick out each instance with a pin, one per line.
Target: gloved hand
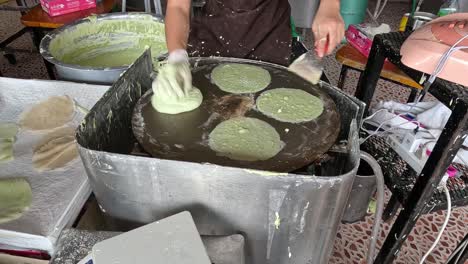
(174, 79)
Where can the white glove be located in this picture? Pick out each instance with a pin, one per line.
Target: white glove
(174, 79)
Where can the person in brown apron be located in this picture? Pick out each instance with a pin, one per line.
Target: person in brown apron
(252, 29)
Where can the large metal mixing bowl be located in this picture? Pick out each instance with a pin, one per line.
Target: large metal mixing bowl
(98, 75)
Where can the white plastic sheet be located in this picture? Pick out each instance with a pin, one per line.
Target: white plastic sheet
(58, 195)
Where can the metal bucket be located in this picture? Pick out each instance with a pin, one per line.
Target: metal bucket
(62, 47)
(364, 187)
(303, 12)
(419, 19)
(284, 217)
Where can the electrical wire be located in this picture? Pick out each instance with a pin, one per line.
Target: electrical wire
(376, 131)
(419, 5)
(411, 106)
(372, 17)
(381, 9)
(377, 11)
(444, 59)
(437, 70)
(380, 182)
(461, 247)
(440, 65)
(444, 225)
(461, 253)
(377, 7)
(392, 130)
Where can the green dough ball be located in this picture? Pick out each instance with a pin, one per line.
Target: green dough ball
(15, 198)
(6, 150)
(167, 104)
(289, 105)
(244, 138)
(178, 105)
(240, 78)
(8, 130)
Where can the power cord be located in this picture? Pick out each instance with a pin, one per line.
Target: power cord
(376, 131)
(440, 66)
(380, 182)
(461, 252)
(377, 12)
(443, 185)
(437, 70)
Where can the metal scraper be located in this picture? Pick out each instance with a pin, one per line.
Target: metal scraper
(308, 66)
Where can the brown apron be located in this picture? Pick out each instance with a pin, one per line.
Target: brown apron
(251, 29)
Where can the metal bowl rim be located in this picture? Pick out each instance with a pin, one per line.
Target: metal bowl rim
(45, 42)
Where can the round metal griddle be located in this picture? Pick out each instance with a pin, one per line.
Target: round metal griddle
(184, 136)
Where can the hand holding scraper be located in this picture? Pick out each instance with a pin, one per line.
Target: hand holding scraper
(308, 66)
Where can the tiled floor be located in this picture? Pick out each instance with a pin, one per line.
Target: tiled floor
(29, 65)
(352, 239)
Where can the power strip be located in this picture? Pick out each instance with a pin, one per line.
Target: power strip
(401, 146)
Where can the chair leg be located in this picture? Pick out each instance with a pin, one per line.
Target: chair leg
(413, 94)
(324, 78)
(422, 97)
(391, 208)
(38, 34)
(343, 72)
(370, 76)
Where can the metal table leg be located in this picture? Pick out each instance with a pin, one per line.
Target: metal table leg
(422, 97)
(391, 208)
(21, 4)
(343, 72)
(447, 146)
(324, 78)
(371, 74)
(157, 8)
(147, 6)
(13, 37)
(38, 34)
(413, 94)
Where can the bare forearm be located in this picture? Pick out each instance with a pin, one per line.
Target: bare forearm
(328, 27)
(177, 24)
(329, 4)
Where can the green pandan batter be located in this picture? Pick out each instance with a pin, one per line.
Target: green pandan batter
(240, 78)
(15, 198)
(109, 59)
(245, 138)
(289, 105)
(109, 43)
